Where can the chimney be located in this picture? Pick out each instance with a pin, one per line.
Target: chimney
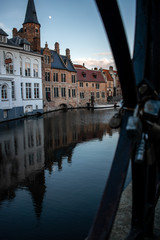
(14, 32)
(111, 68)
(68, 53)
(57, 47)
(46, 45)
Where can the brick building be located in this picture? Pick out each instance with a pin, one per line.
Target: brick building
(113, 83)
(92, 86)
(59, 79)
(31, 28)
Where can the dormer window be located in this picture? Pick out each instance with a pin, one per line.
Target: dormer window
(3, 36)
(3, 39)
(94, 75)
(26, 47)
(84, 74)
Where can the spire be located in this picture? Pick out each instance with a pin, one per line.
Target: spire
(31, 16)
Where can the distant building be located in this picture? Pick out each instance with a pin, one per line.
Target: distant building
(92, 86)
(59, 79)
(113, 84)
(20, 78)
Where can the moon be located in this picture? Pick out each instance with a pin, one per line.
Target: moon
(50, 17)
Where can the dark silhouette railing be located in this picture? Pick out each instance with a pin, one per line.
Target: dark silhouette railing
(139, 117)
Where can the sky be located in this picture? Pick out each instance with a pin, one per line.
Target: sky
(75, 24)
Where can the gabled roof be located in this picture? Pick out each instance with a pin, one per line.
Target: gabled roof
(19, 41)
(68, 63)
(3, 33)
(31, 15)
(60, 61)
(86, 75)
(79, 66)
(107, 74)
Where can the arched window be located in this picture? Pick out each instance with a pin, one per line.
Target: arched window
(27, 68)
(4, 92)
(20, 66)
(35, 68)
(9, 63)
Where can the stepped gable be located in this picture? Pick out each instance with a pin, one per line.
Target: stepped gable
(31, 15)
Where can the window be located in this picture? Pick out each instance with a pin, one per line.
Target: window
(4, 92)
(92, 84)
(28, 90)
(13, 90)
(26, 47)
(48, 94)
(9, 63)
(63, 77)
(97, 94)
(84, 74)
(55, 77)
(69, 93)
(21, 67)
(46, 59)
(97, 85)
(3, 39)
(27, 69)
(35, 70)
(47, 76)
(73, 93)
(86, 84)
(81, 84)
(63, 92)
(22, 90)
(36, 90)
(56, 92)
(103, 94)
(81, 94)
(73, 78)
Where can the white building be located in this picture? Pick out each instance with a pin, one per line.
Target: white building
(20, 79)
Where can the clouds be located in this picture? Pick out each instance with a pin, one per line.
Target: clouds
(99, 60)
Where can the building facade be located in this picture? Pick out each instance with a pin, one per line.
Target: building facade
(113, 84)
(92, 86)
(59, 79)
(20, 79)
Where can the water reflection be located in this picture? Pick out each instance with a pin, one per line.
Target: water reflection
(63, 132)
(29, 147)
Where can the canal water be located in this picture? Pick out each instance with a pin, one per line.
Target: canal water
(53, 171)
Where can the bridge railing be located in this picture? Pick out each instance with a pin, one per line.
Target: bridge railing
(139, 117)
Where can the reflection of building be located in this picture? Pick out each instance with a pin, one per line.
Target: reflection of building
(20, 72)
(92, 86)
(22, 159)
(62, 134)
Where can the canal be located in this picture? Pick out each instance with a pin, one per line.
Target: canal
(53, 171)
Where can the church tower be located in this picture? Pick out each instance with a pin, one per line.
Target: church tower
(31, 27)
